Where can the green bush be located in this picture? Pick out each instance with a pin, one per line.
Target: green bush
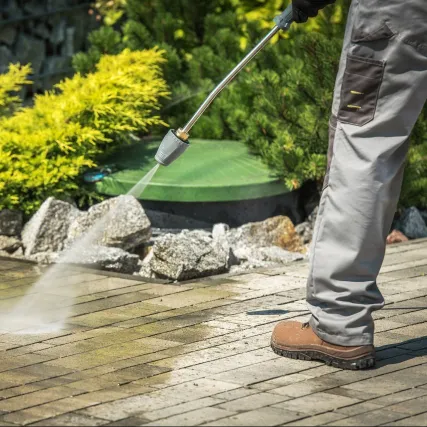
(45, 148)
(282, 111)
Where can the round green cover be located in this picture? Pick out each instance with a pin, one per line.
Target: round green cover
(209, 171)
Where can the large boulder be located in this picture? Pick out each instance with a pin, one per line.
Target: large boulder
(124, 223)
(277, 231)
(412, 224)
(10, 222)
(47, 230)
(112, 259)
(188, 255)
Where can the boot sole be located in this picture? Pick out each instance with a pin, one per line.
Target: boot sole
(365, 362)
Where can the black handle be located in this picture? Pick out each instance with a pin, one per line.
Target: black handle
(284, 20)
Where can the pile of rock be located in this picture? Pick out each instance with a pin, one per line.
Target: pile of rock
(103, 236)
(117, 235)
(199, 253)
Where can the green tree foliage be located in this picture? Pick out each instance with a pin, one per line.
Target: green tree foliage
(45, 148)
(282, 112)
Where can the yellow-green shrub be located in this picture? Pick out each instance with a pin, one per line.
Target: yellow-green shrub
(10, 83)
(45, 148)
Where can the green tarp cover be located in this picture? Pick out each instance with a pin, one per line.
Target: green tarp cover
(209, 171)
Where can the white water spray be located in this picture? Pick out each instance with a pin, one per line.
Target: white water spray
(47, 306)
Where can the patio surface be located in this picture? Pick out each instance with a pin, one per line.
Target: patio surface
(138, 353)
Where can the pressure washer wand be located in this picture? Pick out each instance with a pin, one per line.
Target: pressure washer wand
(176, 142)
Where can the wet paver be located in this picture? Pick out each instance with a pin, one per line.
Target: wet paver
(133, 352)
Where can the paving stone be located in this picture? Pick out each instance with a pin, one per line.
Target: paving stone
(72, 420)
(372, 418)
(309, 386)
(402, 396)
(264, 371)
(235, 394)
(417, 420)
(36, 398)
(170, 396)
(317, 403)
(252, 402)
(318, 420)
(130, 421)
(48, 410)
(410, 407)
(182, 408)
(358, 408)
(259, 417)
(354, 394)
(277, 383)
(193, 418)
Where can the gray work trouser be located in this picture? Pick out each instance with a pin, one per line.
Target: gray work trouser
(380, 90)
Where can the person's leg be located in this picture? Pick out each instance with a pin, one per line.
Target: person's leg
(380, 90)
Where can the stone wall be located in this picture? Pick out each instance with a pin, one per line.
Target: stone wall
(45, 33)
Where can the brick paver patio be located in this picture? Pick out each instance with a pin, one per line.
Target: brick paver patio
(139, 353)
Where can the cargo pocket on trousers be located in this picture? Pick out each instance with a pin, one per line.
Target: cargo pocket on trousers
(359, 91)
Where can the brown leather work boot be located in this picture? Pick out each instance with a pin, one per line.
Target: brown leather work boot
(298, 341)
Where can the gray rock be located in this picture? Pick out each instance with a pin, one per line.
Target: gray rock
(188, 255)
(271, 254)
(6, 57)
(276, 231)
(112, 259)
(305, 231)
(424, 215)
(31, 50)
(44, 257)
(58, 33)
(48, 228)
(10, 222)
(41, 30)
(125, 224)
(69, 42)
(19, 253)
(220, 231)
(9, 244)
(250, 257)
(34, 7)
(412, 224)
(8, 34)
(12, 8)
(56, 63)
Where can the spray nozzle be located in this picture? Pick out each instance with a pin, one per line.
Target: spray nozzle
(171, 147)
